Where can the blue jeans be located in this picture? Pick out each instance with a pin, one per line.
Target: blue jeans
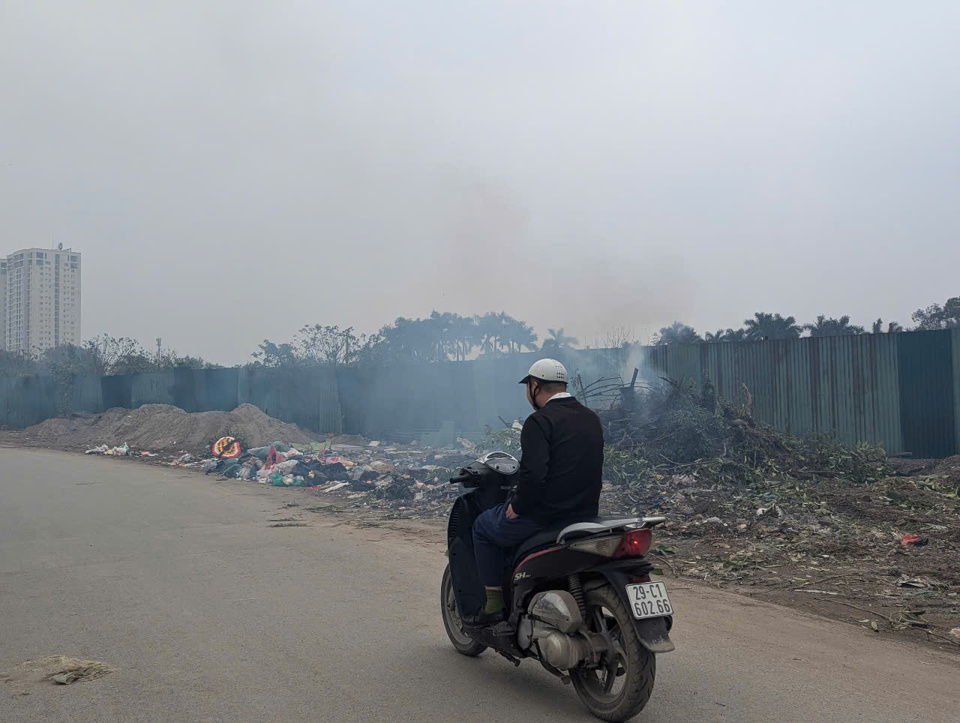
(492, 532)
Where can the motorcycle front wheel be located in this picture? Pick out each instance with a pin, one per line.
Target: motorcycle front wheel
(621, 686)
(464, 644)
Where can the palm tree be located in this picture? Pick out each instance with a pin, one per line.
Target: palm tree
(444, 326)
(721, 335)
(892, 328)
(677, 333)
(519, 334)
(765, 326)
(496, 331)
(833, 327)
(466, 335)
(490, 326)
(558, 340)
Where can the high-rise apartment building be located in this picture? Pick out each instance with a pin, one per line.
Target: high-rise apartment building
(3, 304)
(42, 300)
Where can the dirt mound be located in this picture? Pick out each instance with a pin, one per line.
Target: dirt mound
(949, 468)
(158, 427)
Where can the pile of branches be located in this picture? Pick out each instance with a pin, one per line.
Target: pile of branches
(680, 429)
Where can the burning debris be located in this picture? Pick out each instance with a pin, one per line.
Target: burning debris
(677, 429)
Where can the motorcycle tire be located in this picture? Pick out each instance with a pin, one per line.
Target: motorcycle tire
(464, 644)
(634, 664)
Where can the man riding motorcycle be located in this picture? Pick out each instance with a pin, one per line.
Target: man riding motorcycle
(559, 480)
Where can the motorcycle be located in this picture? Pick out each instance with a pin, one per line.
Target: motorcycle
(579, 597)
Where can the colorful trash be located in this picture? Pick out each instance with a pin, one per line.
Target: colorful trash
(227, 448)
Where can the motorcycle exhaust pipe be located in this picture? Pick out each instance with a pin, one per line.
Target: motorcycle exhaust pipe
(564, 652)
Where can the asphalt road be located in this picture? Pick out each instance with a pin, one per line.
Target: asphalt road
(209, 613)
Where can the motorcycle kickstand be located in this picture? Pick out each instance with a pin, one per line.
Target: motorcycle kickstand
(564, 678)
(515, 661)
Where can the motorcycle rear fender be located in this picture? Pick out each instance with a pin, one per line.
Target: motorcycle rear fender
(653, 633)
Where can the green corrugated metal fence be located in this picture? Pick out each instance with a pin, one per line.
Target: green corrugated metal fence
(901, 390)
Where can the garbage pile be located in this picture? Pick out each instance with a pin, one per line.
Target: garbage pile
(406, 478)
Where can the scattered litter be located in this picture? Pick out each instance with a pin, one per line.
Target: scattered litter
(918, 582)
(102, 449)
(336, 486)
(913, 540)
(911, 582)
(66, 678)
(56, 669)
(955, 632)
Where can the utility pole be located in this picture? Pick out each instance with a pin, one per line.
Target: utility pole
(159, 346)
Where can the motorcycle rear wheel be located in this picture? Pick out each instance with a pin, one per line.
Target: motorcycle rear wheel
(464, 644)
(631, 665)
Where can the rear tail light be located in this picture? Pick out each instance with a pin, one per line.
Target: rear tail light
(605, 546)
(635, 543)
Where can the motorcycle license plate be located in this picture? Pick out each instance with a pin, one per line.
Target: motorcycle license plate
(649, 600)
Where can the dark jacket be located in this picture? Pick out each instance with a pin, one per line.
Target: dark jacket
(561, 467)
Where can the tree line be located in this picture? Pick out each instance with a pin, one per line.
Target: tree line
(102, 355)
(763, 326)
(442, 336)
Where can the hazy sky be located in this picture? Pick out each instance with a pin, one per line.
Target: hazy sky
(232, 170)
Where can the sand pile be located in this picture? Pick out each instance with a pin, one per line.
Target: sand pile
(157, 427)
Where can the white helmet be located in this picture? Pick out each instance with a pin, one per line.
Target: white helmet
(547, 370)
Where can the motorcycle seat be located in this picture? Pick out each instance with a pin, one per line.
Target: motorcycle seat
(548, 537)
